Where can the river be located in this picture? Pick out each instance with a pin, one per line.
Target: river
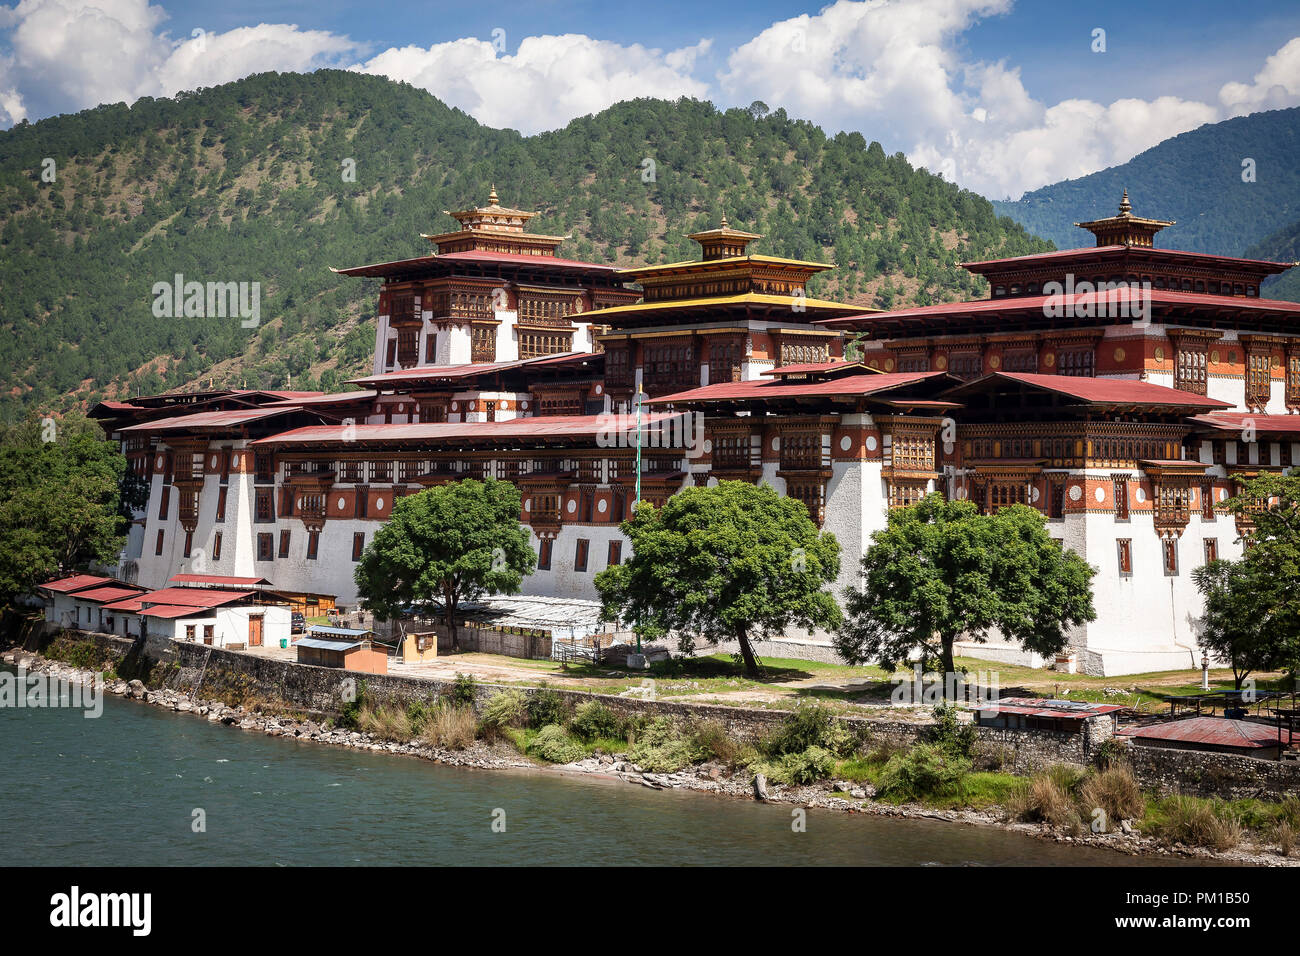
(129, 787)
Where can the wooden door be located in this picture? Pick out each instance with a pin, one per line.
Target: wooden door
(255, 631)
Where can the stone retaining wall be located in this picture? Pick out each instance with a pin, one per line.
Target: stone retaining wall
(323, 690)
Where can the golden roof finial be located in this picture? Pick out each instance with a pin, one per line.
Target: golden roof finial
(724, 221)
(492, 196)
(1125, 207)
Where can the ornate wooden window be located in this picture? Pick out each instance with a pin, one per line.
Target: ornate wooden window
(1120, 491)
(1172, 505)
(615, 553)
(1207, 501)
(732, 449)
(1211, 550)
(669, 367)
(912, 452)
(163, 502)
(618, 370)
(801, 449)
(408, 348)
(1020, 360)
(904, 493)
(483, 342)
(430, 348)
(1293, 379)
(158, 543)
(1079, 362)
(1190, 365)
(284, 543)
(216, 546)
(725, 357)
(358, 545)
(1056, 498)
(401, 309)
(1124, 552)
(1169, 554)
(802, 351)
(264, 508)
(580, 552)
(966, 365)
(1259, 379)
(812, 492)
(265, 548)
(544, 554)
(381, 471)
(533, 344)
(1004, 493)
(263, 468)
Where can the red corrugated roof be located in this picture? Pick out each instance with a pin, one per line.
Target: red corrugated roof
(106, 595)
(866, 384)
(1101, 391)
(131, 604)
(470, 370)
(1215, 731)
(76, 582)
(815, 367)
(472, 255)
(536, 426)
(1236, 421)
(225, 579)
(194, 597)
(171, 610)
(222, 419)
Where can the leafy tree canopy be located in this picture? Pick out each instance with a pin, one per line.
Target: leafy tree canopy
(731, 562)
(449, 544)
(59, 500)
(940, 572)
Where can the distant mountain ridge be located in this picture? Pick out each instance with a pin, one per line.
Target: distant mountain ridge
(249, 182)
(1194, 178)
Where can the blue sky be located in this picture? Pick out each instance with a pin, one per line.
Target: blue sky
(1001, 95)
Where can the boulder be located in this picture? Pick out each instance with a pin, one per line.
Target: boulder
(760, 787)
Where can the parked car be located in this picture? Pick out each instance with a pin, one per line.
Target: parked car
(298, 623)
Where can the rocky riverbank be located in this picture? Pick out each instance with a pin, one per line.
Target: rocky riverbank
(843, 796)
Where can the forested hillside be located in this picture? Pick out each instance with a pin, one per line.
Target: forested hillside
(246, 182)
(1281, 246)
(1195, 178)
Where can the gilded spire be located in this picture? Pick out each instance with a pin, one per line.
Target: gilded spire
(492, 196)
(724, 221)
(1125, 207)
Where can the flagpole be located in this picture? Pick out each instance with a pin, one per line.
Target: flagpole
(637, 504)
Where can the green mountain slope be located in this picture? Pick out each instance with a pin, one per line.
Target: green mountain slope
(244, 182)
(1281, 246)
(1194, 178)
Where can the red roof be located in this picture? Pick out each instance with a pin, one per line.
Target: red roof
(474, 255)
(194, 597)
(469, 369)
(865, 384)
(221, 579)
(107, 594)
(131, 604)
(1109, 251)
(1236, 421)
(223, 419)
(76, 582)
(1214, 731)
(536, 426)
(815, 367)
(1101, 391)
(169, 610)
(1094, 301)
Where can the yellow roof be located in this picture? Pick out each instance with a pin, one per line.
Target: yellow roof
(730, 260)
(749, 298)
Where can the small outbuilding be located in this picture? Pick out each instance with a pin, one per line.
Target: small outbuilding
(1246, 738)
(1031, 713)
(344, 647)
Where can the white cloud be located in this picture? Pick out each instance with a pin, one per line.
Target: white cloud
(547, 82)
(893, 69)
(70, 54)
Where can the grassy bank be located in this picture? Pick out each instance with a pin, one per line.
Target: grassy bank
(947, 769)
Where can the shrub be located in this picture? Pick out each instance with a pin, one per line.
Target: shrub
(1110, 752)
(713, 743)
(1115, 791)
(950, 734)
(385, 722)
(1048, 798)
(1194, 822)
(463, 690)
(450, 726)
(662, 747)
(809, 726)
(593, 720)
(553, 745)
(547, 707)
(506, 709)
(418, 713)
(815, 763)
(923, 771)
(350, 712)
(1284, 837)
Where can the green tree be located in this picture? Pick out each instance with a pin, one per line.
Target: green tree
(59, 500)
(732, 562)
(940, 572)
(448, 544)
(1252, 606)
(1238, 623)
